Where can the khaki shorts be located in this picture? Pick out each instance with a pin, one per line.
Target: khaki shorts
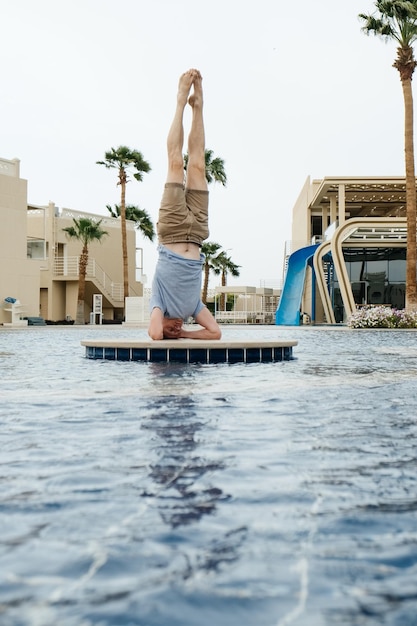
(183, 215)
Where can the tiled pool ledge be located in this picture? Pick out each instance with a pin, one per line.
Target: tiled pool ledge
(189, 351)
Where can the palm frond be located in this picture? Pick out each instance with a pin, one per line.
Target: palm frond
(215, 169)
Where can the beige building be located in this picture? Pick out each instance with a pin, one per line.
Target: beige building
(39, 263)
(348, 249)
(245, 305)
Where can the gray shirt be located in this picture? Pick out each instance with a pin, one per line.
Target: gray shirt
(176, 286)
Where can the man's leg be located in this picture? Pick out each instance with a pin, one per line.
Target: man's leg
(196, 168)
(175, 140)
(177, 215)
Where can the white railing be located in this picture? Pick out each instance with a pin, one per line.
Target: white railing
(69, 267)
(245, 317)
(235, 317)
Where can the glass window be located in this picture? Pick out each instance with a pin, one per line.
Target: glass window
(316, 226)
(36, 249)
(397, 271)
(377, 275)
(356, 269)
(376, 270)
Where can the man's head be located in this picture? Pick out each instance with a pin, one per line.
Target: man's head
(172, 327)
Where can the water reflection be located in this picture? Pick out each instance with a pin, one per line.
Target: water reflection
(319, 455)
(183, 497)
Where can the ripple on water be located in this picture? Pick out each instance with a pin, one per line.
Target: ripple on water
(262, 494)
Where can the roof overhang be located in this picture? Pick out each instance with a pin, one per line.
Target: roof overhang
(377, 196)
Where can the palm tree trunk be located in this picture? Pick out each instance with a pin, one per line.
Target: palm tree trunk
(206, 280)
(80, 314)
(410, 181)
(124, 239)
(82, 271)
(223, 298)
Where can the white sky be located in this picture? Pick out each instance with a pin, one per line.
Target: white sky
(292, 89)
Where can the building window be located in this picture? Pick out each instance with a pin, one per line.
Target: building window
(36, 249)
(316, 226)
(377, 275)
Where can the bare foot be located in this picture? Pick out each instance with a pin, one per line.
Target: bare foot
(196, 98)
(184, 86)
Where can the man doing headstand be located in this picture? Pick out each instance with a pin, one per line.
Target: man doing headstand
(182, 227)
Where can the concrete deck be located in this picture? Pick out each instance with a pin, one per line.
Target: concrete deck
(189, 350)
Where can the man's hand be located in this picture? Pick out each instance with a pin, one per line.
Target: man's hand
(172, 327)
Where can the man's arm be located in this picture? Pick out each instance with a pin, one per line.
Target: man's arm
(156, 328)
(161, 327)
(211, 329)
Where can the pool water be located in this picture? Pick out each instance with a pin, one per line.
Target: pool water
(155, 494)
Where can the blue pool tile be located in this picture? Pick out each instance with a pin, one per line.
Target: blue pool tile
(98, 353)
(178, 355)
(110, 353)
(198, 355)
(123, 354)
(90, 352)
(266, 355)
(236, 355)
(158, 355)
(139, 354)
(278, 354)
(253, 355)
(217, 355)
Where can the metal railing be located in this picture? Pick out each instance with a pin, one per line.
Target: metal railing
(245, 317)
(69, 266)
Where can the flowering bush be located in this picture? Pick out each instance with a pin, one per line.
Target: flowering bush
(382, 317)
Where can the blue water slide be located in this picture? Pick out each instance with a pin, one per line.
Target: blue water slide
(288, 311)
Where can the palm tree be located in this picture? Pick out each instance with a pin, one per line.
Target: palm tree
(84, 230)
(224, 265)
(122, 159)
(396, 20)
(142, 219)
(209, 249)
(215, 171)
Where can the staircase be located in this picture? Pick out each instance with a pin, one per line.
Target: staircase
(69, 268)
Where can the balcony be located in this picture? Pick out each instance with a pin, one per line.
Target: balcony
(67, 267)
